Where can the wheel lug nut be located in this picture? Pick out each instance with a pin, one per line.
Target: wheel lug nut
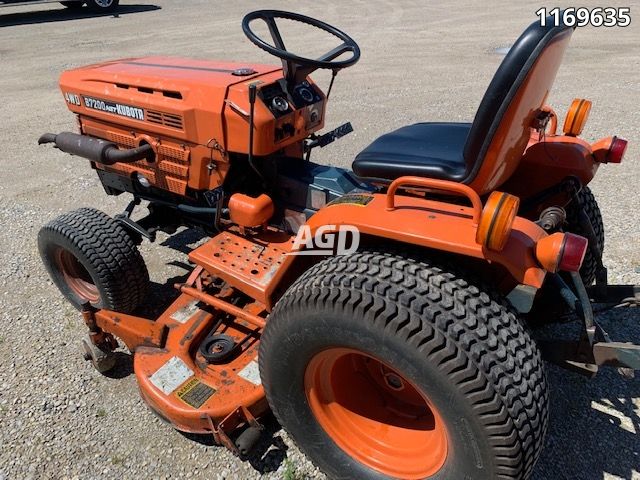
(394, 381)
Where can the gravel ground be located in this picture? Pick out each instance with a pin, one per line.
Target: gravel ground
(60, 419)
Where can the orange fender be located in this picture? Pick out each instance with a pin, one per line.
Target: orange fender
(436, 225)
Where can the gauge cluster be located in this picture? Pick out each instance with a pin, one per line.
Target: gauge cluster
(297, 110)
(276, 99)
(305, 94)
(280, 103)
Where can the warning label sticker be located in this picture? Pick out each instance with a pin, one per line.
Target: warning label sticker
(195, 393)
(352, 199)
(185, 313)
(171, 375)
(251, 373)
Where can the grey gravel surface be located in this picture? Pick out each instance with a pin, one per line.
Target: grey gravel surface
(421, 61)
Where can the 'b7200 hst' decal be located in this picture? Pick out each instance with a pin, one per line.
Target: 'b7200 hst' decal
(113, 107)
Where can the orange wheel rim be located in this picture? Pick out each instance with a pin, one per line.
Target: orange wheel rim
(375, 414)
(76, 276)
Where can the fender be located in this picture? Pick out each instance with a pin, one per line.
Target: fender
(436, 225)
(548, 162)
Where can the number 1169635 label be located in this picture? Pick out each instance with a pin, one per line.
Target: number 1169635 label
(583, 16)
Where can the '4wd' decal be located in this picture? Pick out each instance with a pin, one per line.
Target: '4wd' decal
(72, 98)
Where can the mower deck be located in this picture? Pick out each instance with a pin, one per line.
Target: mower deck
(190, 390)
(196, 365)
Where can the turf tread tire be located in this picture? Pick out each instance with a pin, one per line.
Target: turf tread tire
(466, 330)
(105, 249)
(590, 204)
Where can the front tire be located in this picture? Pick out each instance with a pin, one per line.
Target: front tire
(382, 366)
(91, 258)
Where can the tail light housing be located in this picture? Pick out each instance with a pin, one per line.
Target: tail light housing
(609, 150)
(617, 150)
(496, 220)
(573, 252)
(562, 251)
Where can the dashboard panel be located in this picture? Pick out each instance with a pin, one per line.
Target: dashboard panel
(295, 111)
(284, 114)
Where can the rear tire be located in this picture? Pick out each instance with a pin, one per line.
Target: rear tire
(474, 367)
(590, 205)
(91, 258)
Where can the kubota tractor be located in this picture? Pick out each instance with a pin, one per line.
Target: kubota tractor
(406, 354)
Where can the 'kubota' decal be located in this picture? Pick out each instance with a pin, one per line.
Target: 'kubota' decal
(113, 107)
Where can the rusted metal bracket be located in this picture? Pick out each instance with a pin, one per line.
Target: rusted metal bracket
(221, 437)
(98, 336)
(133, 331)
(223, 305)
(594, 348)
(236, 418)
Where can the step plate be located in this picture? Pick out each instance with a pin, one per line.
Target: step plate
(252, 265)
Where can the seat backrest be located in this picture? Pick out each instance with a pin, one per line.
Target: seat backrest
(500, 130)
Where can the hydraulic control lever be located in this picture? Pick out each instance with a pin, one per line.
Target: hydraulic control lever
(252, 106)
(327, 138)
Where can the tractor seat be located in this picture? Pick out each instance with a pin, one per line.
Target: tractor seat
(433, 150)
(485, 153)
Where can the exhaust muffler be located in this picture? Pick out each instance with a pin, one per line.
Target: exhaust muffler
(96, 149)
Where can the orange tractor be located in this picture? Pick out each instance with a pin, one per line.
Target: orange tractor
(381, 314)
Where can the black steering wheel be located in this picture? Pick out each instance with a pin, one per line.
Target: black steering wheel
(295, 62)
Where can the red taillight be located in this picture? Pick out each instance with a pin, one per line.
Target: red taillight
(574, 249)
(561, 251)
(617, 150)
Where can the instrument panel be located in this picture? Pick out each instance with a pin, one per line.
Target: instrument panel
(300, 107)
(280, 102)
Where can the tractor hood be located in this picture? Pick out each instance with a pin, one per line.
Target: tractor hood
(168, 74)
(173, 97)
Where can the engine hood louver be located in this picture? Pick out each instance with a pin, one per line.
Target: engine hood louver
(167, 119)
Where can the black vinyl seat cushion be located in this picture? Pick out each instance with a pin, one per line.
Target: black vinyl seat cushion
(434, 150)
